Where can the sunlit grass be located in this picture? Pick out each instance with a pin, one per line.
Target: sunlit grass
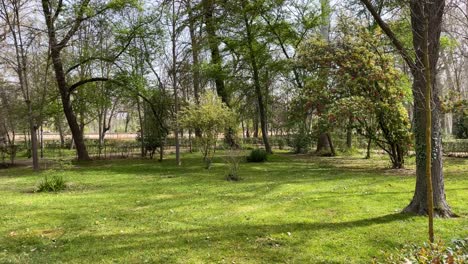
(293, 209)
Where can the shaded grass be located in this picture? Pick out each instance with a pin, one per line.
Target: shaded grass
(292, 209)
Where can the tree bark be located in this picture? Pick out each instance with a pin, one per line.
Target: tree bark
(65, 94)
(349, 133)
(419, 203)
(435, 11)
(368, 152)
(142, 127)
(323, 145)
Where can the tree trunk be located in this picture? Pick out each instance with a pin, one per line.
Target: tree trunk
(62, 85)
(323, 144)
(368, 153)
(419, 203)
(255, 123)
(61, 134)
(435, 10)
(174, 83)
(256, 79)
(142, 128)
(332, 147)
(349, 133)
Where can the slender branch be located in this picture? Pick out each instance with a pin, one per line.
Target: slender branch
(74, 86)
(390, 34)
(75, 26)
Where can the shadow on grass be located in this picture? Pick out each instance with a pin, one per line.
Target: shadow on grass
(264, 243)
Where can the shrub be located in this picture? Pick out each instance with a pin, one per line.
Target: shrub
(281, 144)
(210, 117)
(301, 142)
(257, 155)
(54, 184)
(233, 159)
(437, 253)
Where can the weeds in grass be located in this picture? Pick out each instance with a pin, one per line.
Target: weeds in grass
(54, 184)
(432, 253)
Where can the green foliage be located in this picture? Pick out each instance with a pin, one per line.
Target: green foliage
(54, 184)
(157, 110)
(454, 103)
(437, 253)
(257, 155)
(360, 84)
(118, 5)
(461, 120)
(301, 141)
(211, 117)
(448, 43)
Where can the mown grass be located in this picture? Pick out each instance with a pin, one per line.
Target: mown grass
(291, 209)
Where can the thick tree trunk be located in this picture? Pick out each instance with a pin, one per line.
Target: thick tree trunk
(323, 145)
(434, 10)
(418, 205)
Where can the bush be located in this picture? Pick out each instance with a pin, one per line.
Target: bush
(233, 159)
(436, 253)
(54, 184)
(301, 142)
(257, 155)
(281, 144)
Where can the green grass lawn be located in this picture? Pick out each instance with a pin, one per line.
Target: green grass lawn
(292, 209)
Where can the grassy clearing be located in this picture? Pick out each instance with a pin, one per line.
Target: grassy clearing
(291, 209)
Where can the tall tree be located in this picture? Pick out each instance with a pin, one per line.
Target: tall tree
(56, 47)
(434, 11)
(211, 26)
(249, 15)
(12, 13)
(324, 141)
(60, 32)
